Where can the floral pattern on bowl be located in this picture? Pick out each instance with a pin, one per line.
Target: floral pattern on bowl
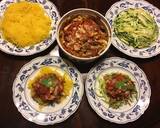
(122, 5)
(9, 48)
(119, 117)
(46, 118)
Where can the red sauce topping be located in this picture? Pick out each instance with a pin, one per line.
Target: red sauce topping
(83, 36)
(48, 88)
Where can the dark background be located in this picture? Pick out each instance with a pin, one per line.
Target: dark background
(84, 117)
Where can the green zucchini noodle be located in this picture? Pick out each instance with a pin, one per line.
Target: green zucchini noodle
(116, 90)
(136, 28)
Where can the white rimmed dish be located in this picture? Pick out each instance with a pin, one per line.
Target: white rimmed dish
(111, 14)
(126, 113)
(49, 115)
(52, 12)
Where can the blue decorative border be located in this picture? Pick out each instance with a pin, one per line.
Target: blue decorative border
(46, 118)
(9, 48)
(143, 84)
(122, 5)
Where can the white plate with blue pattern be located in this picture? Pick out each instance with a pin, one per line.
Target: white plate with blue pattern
(122, 5)
(9, 48)
(127, 113)
(50, 114)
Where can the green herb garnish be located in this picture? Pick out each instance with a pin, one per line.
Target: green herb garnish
(48, 82)
(120, 84)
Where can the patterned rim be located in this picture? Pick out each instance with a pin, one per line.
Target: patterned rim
(131, 114)
(9, 48)
(122, 5)
(28, 111)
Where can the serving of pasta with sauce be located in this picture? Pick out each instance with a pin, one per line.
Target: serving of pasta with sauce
(50, 85)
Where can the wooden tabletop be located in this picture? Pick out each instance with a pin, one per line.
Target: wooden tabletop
(84, 117)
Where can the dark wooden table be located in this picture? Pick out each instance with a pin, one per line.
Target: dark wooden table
(84, 117)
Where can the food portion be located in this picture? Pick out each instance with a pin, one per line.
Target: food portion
(50, 85)
(84, 36)
(25, 24)
(117, 90)
(136, 27)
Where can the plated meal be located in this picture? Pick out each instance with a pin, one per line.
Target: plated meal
(118, 90)
(49, 86)
(135, 28)
(83, 34)
(29, 31)
(47, 90)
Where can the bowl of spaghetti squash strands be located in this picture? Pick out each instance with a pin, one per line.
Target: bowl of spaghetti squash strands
(27, 27)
